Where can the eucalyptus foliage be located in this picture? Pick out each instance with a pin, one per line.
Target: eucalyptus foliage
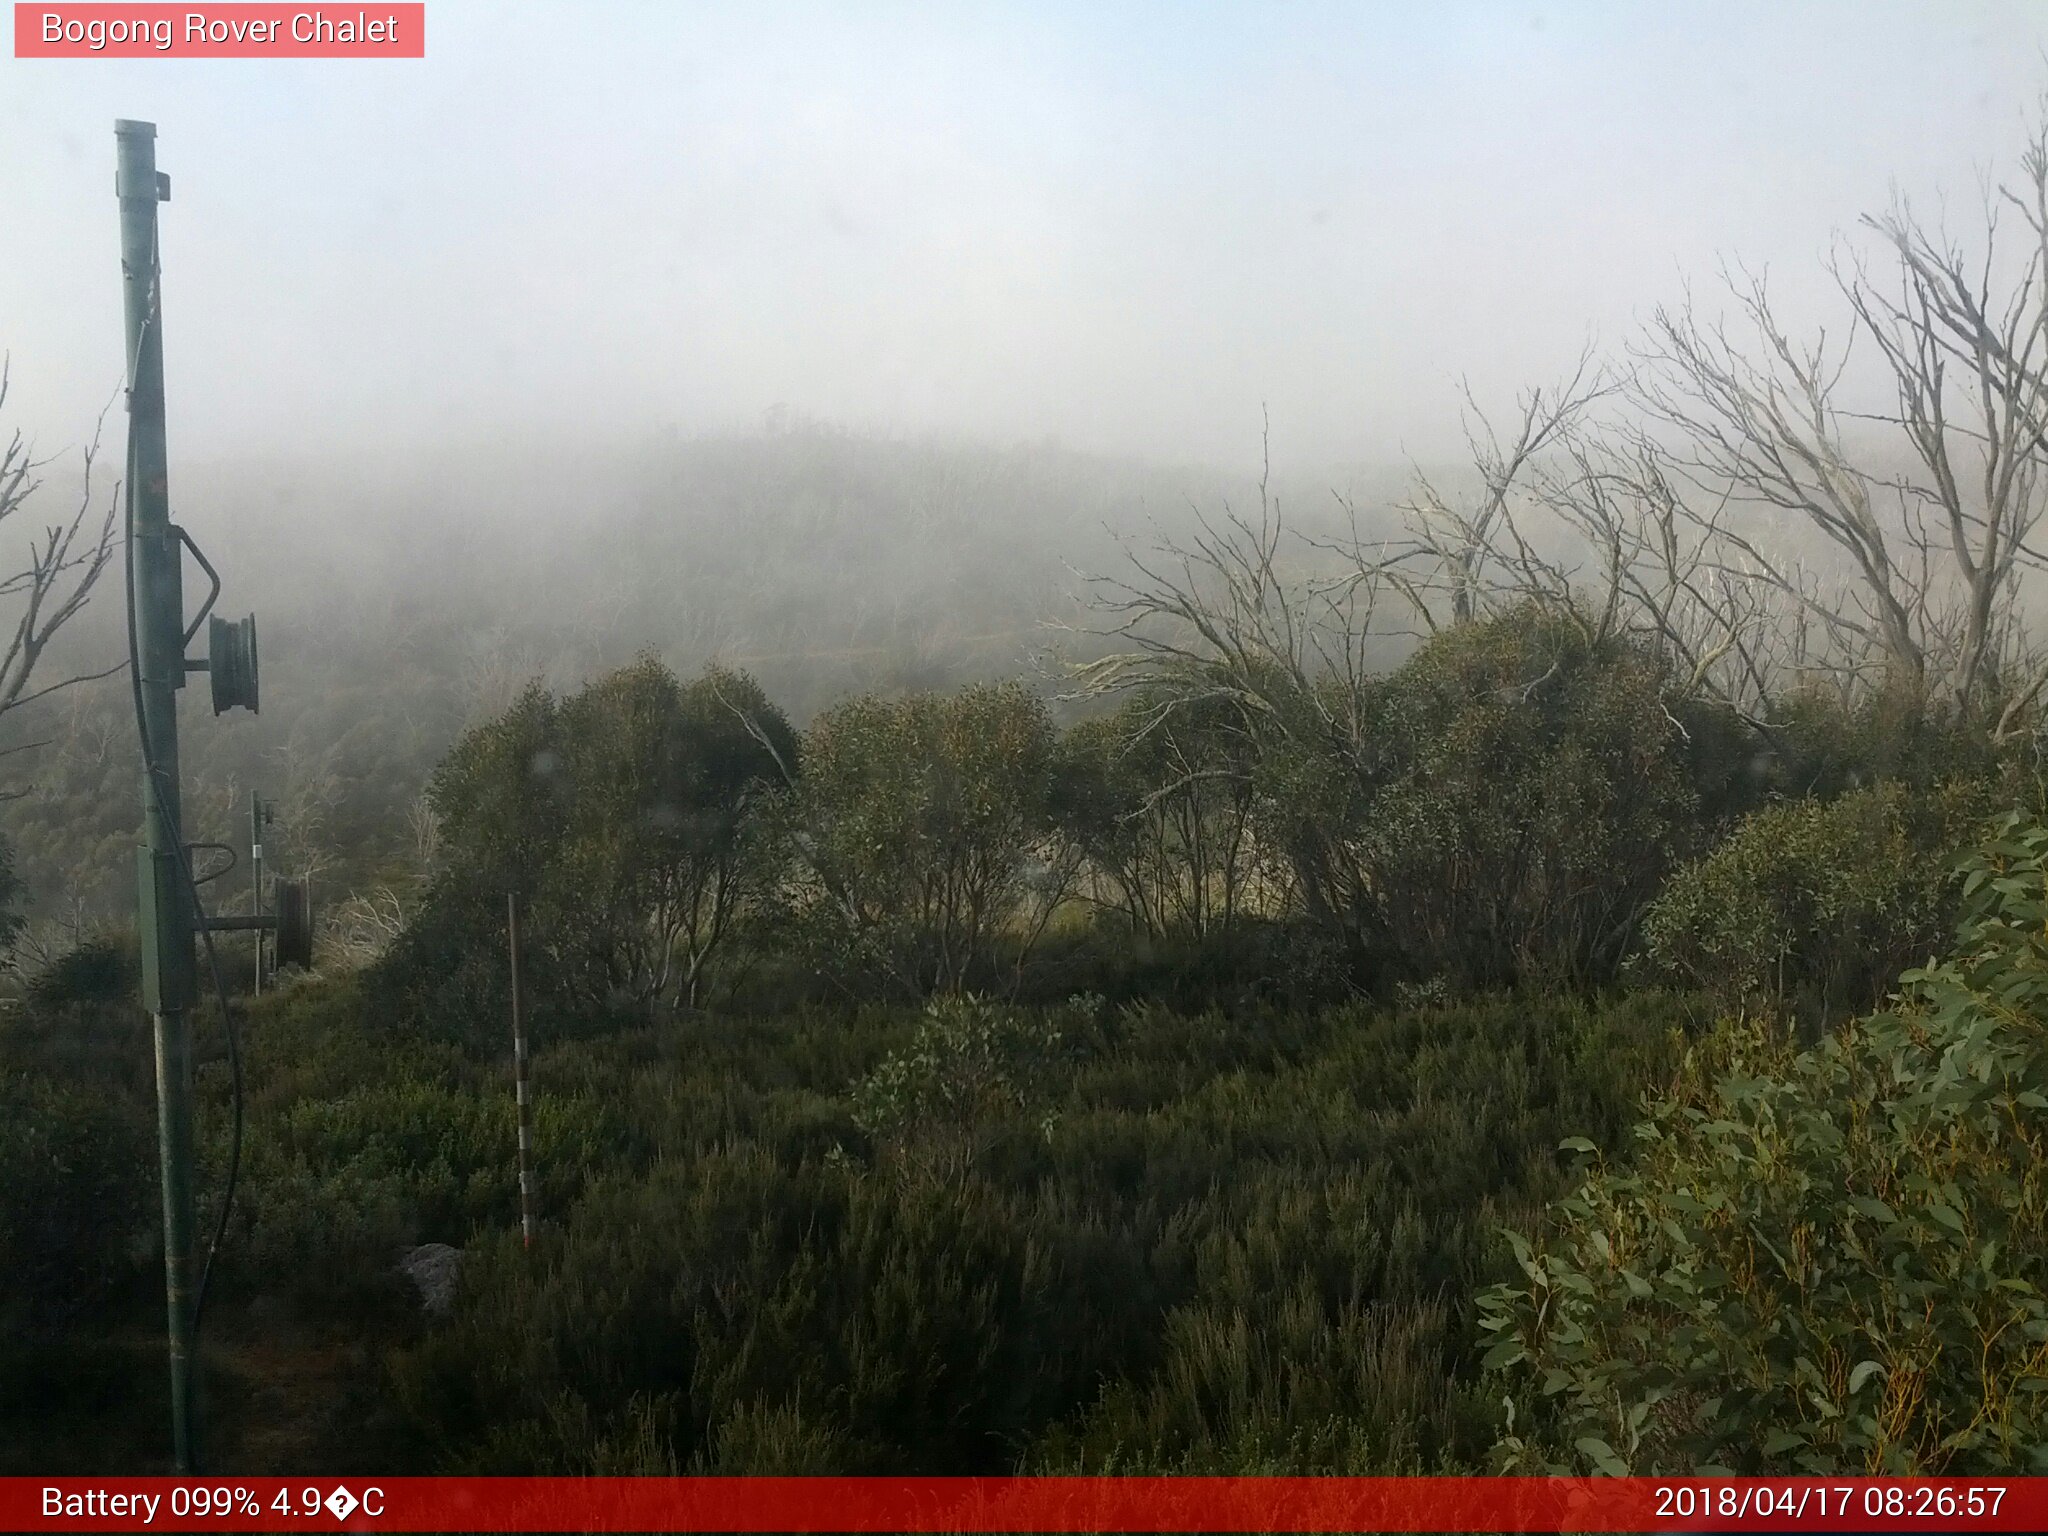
(1160, 798)
(1813, 907)
(626, 818)
(925, 836)
(1828, 1261)
(1530, 790)
(974, 1073)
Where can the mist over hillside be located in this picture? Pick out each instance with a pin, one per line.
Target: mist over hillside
(400, 599)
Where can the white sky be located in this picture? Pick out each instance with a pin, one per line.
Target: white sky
(1123, 226)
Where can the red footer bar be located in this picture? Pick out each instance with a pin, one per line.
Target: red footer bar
(1048, 1504)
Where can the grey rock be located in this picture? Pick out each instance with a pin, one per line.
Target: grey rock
(434, 1268)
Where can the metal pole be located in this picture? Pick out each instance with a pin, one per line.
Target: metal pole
(256, 819)
(520, 1087)
(166, 919)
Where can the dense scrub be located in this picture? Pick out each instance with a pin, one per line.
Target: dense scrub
(1154, 1239)
(1514, 800)
(938, 1089)
(1134, 1236)
(77, 1209)
(1527, 792)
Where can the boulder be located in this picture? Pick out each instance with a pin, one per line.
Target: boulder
(434, 1268)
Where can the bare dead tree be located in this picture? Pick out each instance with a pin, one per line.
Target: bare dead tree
(1731, 514)
(64, 561)
(423, 823)
(1248, 619)
(1588, 521)
(1667, 569)
(1966, 338)
(1226, 617)
(1758, 425)
(1455, 544)
(1938, 555)
(42, 941)
(365, 925)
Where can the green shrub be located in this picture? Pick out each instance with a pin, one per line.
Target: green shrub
(10, 897)
(78, 1146)
(1830, 1261)
(1278, 1388)
(75, 1199)
(924, 1324)
(975, 1073)
(1261, 962)
(1530, 792)
(1159, 800)
(1813, 907)
(104, 969)
(925, 828)
(447, 974)
(501, 797)
(660, 859)
(625, 816)
(363, 1140)
(1820, 747)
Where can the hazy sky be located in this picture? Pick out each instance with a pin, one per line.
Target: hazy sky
(1121, 225)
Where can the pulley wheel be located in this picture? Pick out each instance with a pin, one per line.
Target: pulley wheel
(231, 663)
(294, 924)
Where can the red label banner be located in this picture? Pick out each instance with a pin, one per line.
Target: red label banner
(1047, 1504)
(251, 31)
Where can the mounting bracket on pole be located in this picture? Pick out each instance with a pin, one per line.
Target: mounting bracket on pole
(212, 596)
(230, 660)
